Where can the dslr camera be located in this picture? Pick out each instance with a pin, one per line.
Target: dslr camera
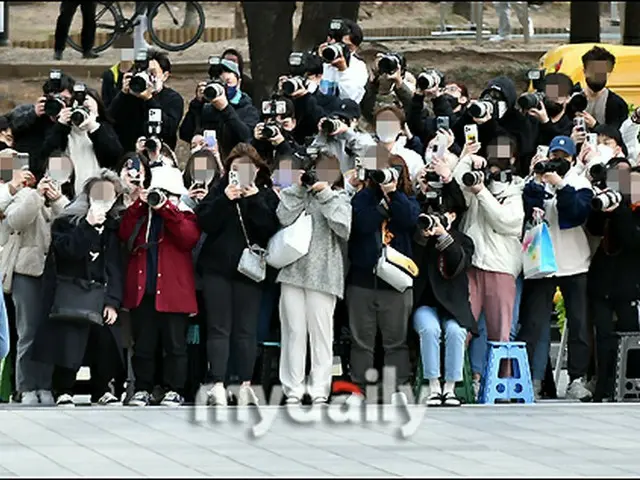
(548, 166)
(270, 110)
(141, 79)
(329, 125)
(390, 62)
(297, 79)
(309, 158)
(598, 174)
(79, 113)
(334, 51)
(214, 87)
(428, 221)
(154, 128)
(430, 78)
(482, 108)
(385, 176)
(54, 102)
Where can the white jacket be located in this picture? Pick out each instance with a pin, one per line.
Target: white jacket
(349, 84)
(494, 224)
(629, 131)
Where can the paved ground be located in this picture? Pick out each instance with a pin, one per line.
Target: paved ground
(547, 439)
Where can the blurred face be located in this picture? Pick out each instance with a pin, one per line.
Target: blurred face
(634, 180)
(287, 123)
(245, 169)
(156, 71)
(388, 126)
(349, 43)
(597, 73)
(197, 142)
(102, 191)
(10, 163)
(283, 175)
(60, 168)
(559, 155)
(328, 169)
(6, 136)
(557, 93)
(500, 152)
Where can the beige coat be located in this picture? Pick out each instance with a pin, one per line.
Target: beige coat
(25, 233)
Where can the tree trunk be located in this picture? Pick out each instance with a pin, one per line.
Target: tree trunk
(315, 21)
(631, 35)
(190, 17)
(585, 22)
(270, 34)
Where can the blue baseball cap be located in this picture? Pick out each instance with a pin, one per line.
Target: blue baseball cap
(564, 144)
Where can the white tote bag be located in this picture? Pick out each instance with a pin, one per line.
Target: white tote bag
(290, 243)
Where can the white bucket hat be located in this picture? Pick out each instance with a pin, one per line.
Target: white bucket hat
(168, 179)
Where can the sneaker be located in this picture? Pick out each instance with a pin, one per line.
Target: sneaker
(30, 398)
(172, 399)
(65, 400)
(292, 401)
(108, 399)
(578, 391)
(591, 385)
(320, 400)
(499, 38)
(217, 396)
(46, 398)
(246, 396)
(57, 55)
(140, 399)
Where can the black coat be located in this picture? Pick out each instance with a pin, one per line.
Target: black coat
(29, 131)
(106, 144)
(446, 271)
(130, 115)
(614, 272)
(233, 125)
(218, 218)
(64, 343)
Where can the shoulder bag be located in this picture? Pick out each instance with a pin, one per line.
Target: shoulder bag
(253, 263)
(290, 243)
(393, 267)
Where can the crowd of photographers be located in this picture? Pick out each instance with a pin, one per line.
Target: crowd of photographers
(399, 241)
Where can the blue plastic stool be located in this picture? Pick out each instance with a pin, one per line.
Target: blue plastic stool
(518, 386)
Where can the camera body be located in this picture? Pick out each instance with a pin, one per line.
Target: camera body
(154, 129)
(384, 176)
(530, 100)
(430, 78)
(606, 199)
(334, 51)
(54, 102)
(576, 104)
(308, 160)
(141, 79)
(156, 197)
(79, 113)
(548, 166)
(270, 110)
(483, 108)
(134, 167)
(293, 84)
(329, 125)
(213, 89)
(428, 221)
(389, 63)
(473, 178)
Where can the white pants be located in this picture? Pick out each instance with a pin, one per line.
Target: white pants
(302, 312)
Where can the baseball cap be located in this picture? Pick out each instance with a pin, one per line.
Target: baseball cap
(564, 144)
(347, 109)
(613, 133)
(230, 66)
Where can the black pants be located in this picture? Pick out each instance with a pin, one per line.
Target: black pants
(147, 325)
(607, 340)
(102, 357)
(232, 325)
(67, 10)
(536, 307)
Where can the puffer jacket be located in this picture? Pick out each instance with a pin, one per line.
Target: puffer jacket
(494, 223)
(26, 234)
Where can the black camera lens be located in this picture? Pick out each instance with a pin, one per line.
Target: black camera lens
(480, 109)
(577, 103)
(137, 84)
(331, 52)
(52, 107)
(78, 116)
(425, 222)
(212, 91)
(150, 144)
(269, 132)
(528, 101)
(154, 198)
(471, 179)
(540, 168)
(598, 173)
(328, 126)
(388, 65)
(308, 178)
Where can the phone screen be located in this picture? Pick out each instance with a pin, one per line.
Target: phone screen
(442, 122)
(210, 138)
(471, 133)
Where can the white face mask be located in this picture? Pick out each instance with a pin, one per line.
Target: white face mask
(387, 132)
(196, 149)
(350, 189)
(605, 153)
(102, 205)
(502, 109)
(497, 188)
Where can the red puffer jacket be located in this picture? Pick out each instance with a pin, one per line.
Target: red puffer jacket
(175, 286)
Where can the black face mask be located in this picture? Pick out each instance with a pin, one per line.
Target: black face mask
(553, 108)
(596, 85)
(453, 101)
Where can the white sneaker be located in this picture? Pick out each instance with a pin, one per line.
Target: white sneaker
(46, 398)
(65, 400)
(140, 399)
(246, 396)
(217, 395)
(476, 389)
(591, 385)
(499, 38)
(108, 399)
(30, 398)
(578, 391)
(172, 399)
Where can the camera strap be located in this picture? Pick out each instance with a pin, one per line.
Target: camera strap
(244, 230)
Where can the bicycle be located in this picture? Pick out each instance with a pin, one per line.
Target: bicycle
(111, 19)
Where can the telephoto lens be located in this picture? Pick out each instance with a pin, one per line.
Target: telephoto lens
(332, 52)
(269, 132)
(329, 125)
(577, 103)
(529, 101)
(53, 105)
(598, 173)
(388, 64)
(139, 82)
(212, 91)
(309, 178)
(79, 115)
(291, 85)
(605, 200)
(471, 179)
(480, 109)
(384, 176)
(428, 80)
(426, 222)
(155, 198)
(151, 145)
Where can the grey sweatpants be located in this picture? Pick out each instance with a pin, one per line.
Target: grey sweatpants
(27, 298)
(388, 310)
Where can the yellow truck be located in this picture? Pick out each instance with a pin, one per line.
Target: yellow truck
(624, 80)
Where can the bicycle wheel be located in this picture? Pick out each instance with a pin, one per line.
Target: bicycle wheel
(167, 25)
(107, 18)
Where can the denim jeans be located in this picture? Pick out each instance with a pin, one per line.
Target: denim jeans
(478, 345)
(429, 326)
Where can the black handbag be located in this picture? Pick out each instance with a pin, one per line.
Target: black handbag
(79, 300)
